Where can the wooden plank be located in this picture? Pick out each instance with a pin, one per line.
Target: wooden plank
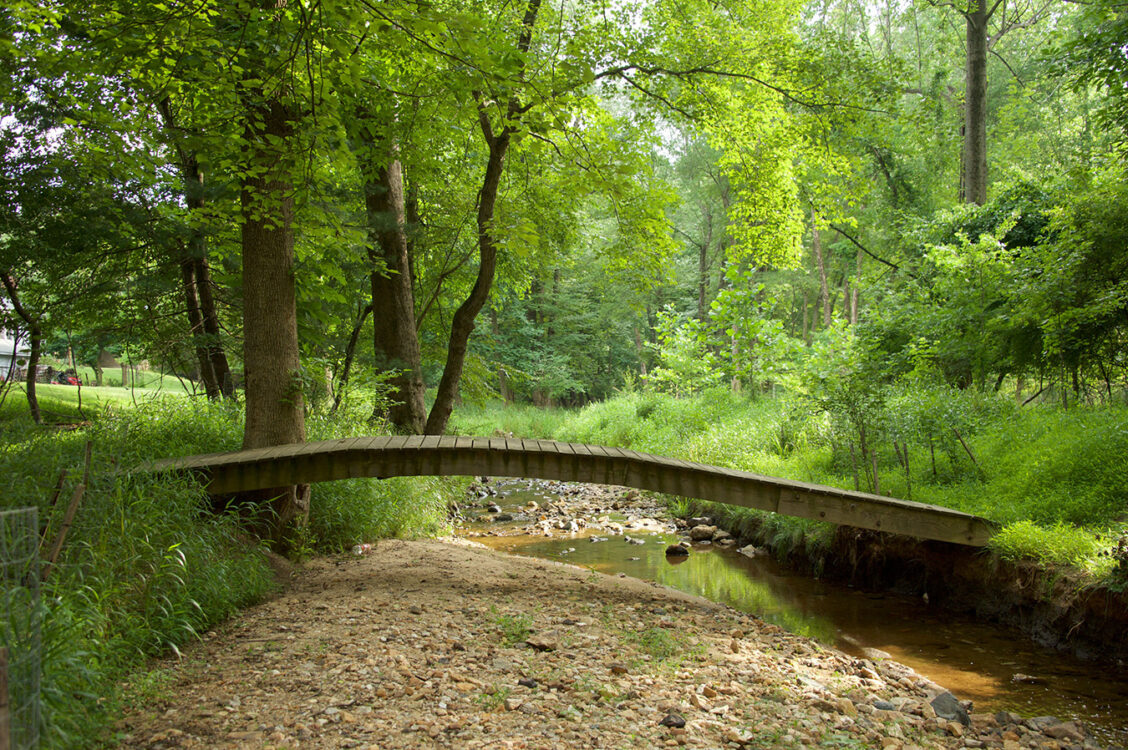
(310, 447)
(585, 464)
(412, 441)
(380, 443)
(893, 518)
(430, 460)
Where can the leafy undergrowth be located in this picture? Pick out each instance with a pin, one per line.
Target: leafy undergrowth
(145, 567)
(1052, 478)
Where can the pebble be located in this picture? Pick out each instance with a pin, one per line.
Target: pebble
(593, 670)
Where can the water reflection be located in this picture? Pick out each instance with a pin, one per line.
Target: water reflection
(973, 660)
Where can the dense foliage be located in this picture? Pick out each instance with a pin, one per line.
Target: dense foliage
(631, 209)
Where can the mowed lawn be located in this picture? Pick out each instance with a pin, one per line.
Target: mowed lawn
(61, 402)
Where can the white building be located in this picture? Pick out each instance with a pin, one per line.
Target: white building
(12, 352)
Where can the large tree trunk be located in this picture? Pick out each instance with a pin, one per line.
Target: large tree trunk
(35, 336)
(273, 378)
(395, 342)
(974, 182)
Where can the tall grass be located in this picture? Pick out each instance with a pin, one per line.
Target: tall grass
(1052, 478)
(147, 566)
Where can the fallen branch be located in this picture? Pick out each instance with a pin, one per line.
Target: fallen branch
(982, 474)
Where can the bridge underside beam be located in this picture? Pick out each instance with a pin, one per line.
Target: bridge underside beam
(382, 457)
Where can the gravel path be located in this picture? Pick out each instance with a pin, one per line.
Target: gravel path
(443, 643)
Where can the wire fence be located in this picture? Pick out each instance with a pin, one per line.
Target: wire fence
(20, 636)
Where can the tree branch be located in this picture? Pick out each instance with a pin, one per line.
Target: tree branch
(865, 250)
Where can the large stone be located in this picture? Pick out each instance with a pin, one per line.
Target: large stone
(947, 706)
(1065, 732)
(546, 641)
(702, 533)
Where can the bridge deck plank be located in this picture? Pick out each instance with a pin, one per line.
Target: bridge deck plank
(387, 455)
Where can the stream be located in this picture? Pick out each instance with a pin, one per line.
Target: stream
(996, 667)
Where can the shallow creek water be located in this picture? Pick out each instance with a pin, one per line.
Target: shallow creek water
(976, 661)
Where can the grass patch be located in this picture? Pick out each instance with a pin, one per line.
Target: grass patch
(1060, 544)
(1052, 477)
(514, 628)
(661, 649)
(145, 569)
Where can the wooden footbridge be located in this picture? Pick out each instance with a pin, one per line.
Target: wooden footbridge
(381, 457)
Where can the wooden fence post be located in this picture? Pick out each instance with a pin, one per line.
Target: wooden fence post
(5, 717)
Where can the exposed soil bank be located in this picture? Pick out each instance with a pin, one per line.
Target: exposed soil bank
(1056, 610)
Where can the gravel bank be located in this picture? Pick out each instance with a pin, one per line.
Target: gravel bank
(442, 643)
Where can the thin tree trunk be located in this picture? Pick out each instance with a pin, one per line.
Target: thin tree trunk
(35, 339)
(641, 350)
(196, 329)
(967, 449)
(735, 353)
(854, 466)
(806, 318)
(824, 288)
(502, 374)
(703, 265)
(854, 291)
(350, 351)
(975, 106)
(203, 320)
(873, 461)
(463, 323)
(210, 315)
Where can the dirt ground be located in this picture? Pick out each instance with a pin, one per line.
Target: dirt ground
(444, 643)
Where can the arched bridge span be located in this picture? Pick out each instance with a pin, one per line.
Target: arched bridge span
(390, 456)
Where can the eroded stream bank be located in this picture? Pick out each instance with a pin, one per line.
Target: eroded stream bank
(998, 668)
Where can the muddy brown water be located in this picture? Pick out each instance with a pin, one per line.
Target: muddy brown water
(975, 660)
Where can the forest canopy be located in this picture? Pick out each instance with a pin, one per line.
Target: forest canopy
(295, 203)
